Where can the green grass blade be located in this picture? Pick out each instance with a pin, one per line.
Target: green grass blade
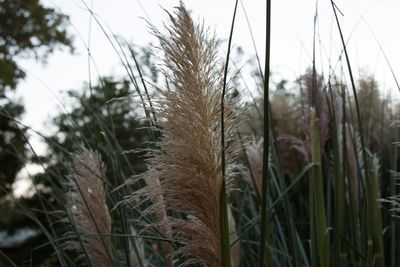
(339, 194)
(224, 223)
(321, 231)
(265, 258)
(320, 242)
(369, 222)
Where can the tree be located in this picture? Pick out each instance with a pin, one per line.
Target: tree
(103, 118)
(27, 29)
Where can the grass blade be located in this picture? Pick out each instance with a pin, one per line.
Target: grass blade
(265, 258)
(224, 222)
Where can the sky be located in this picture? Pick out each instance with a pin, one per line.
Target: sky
(363, 23)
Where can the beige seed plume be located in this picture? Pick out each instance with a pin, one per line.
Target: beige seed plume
(253, 173)
(187, 162)
(86, 203)
(303, 145)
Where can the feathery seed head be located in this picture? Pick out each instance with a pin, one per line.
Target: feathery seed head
(86, 203)
(303, 145)
(254, 150)
(187, 163)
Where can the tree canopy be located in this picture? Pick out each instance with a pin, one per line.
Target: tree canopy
(27, 28)
(102, 117)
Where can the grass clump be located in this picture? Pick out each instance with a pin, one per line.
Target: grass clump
(309, 166)
(185, 168)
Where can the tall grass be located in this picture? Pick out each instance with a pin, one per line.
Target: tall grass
(265, 237)
(308, 168)
(186, 160)
(87, 210)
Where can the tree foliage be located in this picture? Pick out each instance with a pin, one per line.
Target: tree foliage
(27, 29)
(105, 118)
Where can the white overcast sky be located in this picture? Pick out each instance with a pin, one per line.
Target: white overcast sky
(292, 32)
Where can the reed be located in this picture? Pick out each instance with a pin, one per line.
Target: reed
(314, 167)
(186, 160)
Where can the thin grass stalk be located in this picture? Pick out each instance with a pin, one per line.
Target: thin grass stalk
(311, 197)
(321, 231)
(53, 241)
(349, 159)
(61, 239)
(280, 245)
(284, 194)
(351, 178)
(153, 134)
(383, 52)
(9, 261)
(382, 139)
(127, 248)
(125, 63)
(224, 221)
(339, 189)
(281, 237)
(339, 197)
(356, 186)
(321, 244)
(114, 150)
(143, 84)
(329, 176)
(252, 40)
(363, 145)
(392, 205)
(265, 258)
(224, 228)
(282, 183)
(56, 245)
(355, 181)
(376, 214)
(136, 257)
(313, 240)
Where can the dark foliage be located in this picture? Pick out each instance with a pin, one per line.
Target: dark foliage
(27, 28)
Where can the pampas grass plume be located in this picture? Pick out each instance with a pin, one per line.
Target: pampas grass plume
(86, 203)
(303, 145)
(187, 160)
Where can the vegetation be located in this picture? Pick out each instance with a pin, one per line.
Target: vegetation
(186, 173)
(27, 28)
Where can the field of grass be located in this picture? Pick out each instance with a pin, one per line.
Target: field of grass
(301, 177)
